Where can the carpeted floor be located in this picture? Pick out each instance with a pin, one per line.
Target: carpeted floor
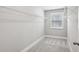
(50, 45)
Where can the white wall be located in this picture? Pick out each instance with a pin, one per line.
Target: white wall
(72, 13)
(55, 32)
(78, 27)
(19, 28)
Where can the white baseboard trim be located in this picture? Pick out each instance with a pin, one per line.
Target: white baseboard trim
(35, 42)
(69, 46)
(59, 37)
(31, 45)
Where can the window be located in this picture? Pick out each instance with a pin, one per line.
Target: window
(56, 20)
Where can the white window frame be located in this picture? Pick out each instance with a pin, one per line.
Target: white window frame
(57, 13)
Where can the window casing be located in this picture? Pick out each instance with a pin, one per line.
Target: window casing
(56, 20)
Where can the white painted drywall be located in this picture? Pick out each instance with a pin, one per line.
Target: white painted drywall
(55, 32)
(18, 29)
(72, 13)
(78, 27)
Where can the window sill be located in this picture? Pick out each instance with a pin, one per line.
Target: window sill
(59, 28)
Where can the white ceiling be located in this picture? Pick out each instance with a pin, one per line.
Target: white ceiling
(51, 7)
(32, 9)
(24, 8)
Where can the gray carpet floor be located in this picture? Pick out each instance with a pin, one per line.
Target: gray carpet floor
(50, 45)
